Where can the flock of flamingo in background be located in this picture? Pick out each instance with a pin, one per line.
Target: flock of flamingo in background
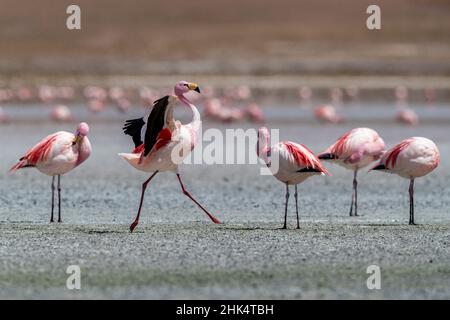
(231, 105)
(158, 137)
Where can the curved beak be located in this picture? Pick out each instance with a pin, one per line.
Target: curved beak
(194, 87)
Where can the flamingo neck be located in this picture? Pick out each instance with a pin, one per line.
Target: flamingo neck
(263, 148)
(196, 119)
(84, 150)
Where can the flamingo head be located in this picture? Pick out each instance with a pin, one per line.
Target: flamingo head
(183, 87)
(82, 131)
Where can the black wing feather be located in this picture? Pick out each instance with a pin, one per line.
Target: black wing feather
(307, 169)
(155, 123)
(328, 156)
(133, 128)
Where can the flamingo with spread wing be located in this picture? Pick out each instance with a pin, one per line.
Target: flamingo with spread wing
(166, 141)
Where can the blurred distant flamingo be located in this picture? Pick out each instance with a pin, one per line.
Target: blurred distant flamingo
(327, 113)
(46, 93)
(4, 118)
(407, 116)
(147, 96)
(412, 158)
(65, 93)
(352, 92)
(96, 105)
(254, 112)
(296, 163)
(57, 154)
(61, 113)
(305, 93)
(6, 95)
(336, 95)
(401, 93)
(166, 143)
(356, 149)
(430, 96)
(24, 93)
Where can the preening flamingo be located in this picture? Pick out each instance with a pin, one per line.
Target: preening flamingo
(166, 141)
(412, 158)
(57, 154)
(296, 163)
(356, 149)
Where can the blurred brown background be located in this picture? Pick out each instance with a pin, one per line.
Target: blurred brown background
(255, 37)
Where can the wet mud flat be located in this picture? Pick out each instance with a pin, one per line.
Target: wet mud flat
(177, 253)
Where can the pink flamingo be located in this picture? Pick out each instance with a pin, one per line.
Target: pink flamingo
(412, 158)
(407, 116)
(24, 94)
(61, 113)
(58, 154)
(46, 93)
(305, 93)
(327, 113)
(296, 163)
(356, 149)
(96, 105)
(166, 143)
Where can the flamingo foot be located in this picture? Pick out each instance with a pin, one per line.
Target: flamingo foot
(134, 225)
(214, 219)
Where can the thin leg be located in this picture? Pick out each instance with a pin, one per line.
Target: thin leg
(144, 186)
(286, 207)
(355, 186)
(53, 198)
(296, 206)
(213, 219)
(354, 196)
(411, 202)
(59, 198)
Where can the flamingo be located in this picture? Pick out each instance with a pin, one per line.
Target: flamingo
(411, 158)
(327, 113)
(356, 149)
(61, 113)
(296, 163)
(58, 154)
(407, 116)
(166, 142)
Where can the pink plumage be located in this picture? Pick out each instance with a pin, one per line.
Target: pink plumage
(57, 154)
(354, 150)
(289, 162)
(166, 141)
(412, 158)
